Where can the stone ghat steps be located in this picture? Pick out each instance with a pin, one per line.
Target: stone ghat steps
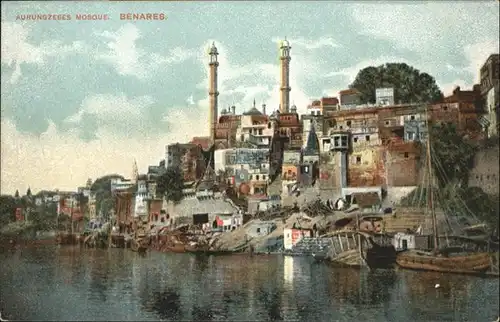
(312, 245)
(402, 222)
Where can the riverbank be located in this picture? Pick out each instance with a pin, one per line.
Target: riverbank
(239, 238)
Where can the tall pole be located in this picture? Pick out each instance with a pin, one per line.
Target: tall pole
(430, 193)
(71, 217)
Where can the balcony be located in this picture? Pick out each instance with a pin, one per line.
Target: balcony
(260, 141)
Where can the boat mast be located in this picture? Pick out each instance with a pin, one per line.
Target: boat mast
(430, 193)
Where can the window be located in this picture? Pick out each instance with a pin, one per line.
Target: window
(257, 177)
(258, 230)
(358, 160)
(348, 123)
(355, 140)
(162, 219)
(260, 131)
(336, 141)
(263, 177)
(367, 138)
(269, 125)
(412, 117)
(487, 177)
(289, 172)
(445, 107)
(410, 135)
(251, 177)
(340, 127)
(386, 122)
(406, 155)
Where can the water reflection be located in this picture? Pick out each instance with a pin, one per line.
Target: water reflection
(120, 285)
(429, 301)
(288, 271)
(167, 304)
(360, 287)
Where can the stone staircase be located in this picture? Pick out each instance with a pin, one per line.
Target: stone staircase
(312, 245)
(274, 187)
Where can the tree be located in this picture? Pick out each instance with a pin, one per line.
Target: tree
(171, 183)
(452, 156)
(16, 195)
(8, 206)
(28, 193)
(102, 190)
(409, 84)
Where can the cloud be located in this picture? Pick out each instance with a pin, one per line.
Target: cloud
(477, 54)
(130, 60)
(312, 44)
(243, 83)
(108, 107)
(63, 160)
(16, 49)
(420, 27)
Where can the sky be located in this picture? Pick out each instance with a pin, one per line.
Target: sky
(82, 99)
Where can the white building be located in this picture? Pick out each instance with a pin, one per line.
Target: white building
(118, 184)
(141, 198)
(250, 166)
(292, 236)
(402, 241)
(255, 128)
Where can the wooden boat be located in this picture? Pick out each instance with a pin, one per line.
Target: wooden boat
(456, 260)
(139, 246)
(207, 251)
(359, 249)
(465, 263)
(175, 248)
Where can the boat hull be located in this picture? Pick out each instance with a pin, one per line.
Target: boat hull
(476, 263)
(358, 249)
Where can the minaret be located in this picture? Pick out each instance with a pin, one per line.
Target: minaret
(285, 76)
(135, 172)
(212, 91)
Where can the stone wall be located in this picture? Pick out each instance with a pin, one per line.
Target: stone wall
(485, 174)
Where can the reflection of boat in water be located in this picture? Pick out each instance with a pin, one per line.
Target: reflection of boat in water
(362, 287)
(431, 293)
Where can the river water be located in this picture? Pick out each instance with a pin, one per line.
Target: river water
(69, 283)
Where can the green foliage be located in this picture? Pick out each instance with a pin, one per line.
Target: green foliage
(44, 217)
(452, 156)
(8, 205)
(409, 84)
(466, 201)
(105, 201)
(171, 183)
(16, 195)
